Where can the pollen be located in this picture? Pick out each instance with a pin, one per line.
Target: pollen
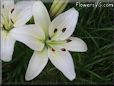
(63, 49)
(49, 38)
(12, 10)
(64, 29)
(53, 50)
(68, 40)
(55, 30)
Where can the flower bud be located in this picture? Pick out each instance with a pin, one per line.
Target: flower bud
(58, 7)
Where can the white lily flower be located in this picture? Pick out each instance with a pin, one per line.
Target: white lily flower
(12, 15)
(51, 41)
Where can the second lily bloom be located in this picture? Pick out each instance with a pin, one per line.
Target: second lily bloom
(12, 15)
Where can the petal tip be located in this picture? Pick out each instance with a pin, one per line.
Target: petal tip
(72, 78)
(85, 47)
(38, 2)
(27, 77)
(6, 59)
(73, 9)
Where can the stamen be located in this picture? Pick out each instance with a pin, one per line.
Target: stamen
(53, 50)
(64, 29)
(2, 6)
(55, 30)
(12, 10)
(63, 49)
(3, 27)
(12, 21)
(49, 38)
(68, 40)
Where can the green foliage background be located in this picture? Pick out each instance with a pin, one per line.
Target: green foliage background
(95, 27)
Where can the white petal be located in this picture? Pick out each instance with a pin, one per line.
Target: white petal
(2, 21)
(30, 35)
(76, 44)
(62, 60)
(6, 7)
(66, 20)
(36, 64)
(22, 13)
(7, 46)
(41, 15)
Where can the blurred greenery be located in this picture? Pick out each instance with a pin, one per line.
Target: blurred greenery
(95, 27)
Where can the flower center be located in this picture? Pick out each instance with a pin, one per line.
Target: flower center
(7, 26)
(6, 22)
(53, 43)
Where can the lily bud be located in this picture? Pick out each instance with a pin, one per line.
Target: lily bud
(58, 7)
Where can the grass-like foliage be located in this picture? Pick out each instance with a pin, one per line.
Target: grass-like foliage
(95, 27)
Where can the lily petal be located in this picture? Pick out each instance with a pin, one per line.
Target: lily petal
(6, 7)
(62, 60)
(41, 15)
(76, 44)
(29, 35)
(63, 26)
(7, 46)
(2, 21)
(36, 64)
(22, 13)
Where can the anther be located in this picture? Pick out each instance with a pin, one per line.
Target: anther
(64, 29)
(53, 50)
(3, 27)
(49, 38)
(2, 6)
(63, 49)
(12, 21)
(68, 40)
(55, 30)
(12, 10)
